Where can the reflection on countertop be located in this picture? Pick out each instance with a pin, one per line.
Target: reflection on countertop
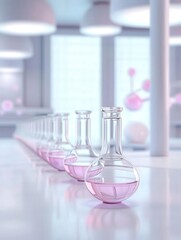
(38, 202)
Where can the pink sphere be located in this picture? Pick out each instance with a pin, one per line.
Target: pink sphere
(7, 105)
(136, 132)
(15, 87)
(19, 100)
(131, 72)
(133, 102)
(146, 85)
(178, 98)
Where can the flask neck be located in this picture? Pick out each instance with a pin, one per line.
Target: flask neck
(38, 128)
(61, 129)
(50, 128)
(83, 140)
(83, 132)
(111, 135)
(43, 130)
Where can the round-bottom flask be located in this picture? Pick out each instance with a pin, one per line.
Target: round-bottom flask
(111, 178)
(48, 140)
(41, 145)
(61, 147)
(79, 159)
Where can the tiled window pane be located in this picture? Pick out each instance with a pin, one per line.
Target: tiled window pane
(132, 52)
(76, 79)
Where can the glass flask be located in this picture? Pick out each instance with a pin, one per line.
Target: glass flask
(42, 139)
(62, 146)
(78, 160)
(34, 134)
(47, 139)
(111, 178)
(50, 134)
(38, 132)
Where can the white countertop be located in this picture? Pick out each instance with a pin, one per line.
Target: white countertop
(40, 203)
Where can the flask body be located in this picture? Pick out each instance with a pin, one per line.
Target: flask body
(111, 178)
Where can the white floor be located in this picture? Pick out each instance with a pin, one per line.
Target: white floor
(40, 203)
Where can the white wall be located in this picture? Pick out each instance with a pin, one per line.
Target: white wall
(36, 75)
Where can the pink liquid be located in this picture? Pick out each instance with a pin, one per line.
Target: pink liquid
(42, 152)
(111, 192)
(77, 170)
(56, 159)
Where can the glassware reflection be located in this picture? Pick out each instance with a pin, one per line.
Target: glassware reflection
(115, 220)
(76, 191)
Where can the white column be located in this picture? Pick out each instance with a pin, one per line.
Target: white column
(108, 72)
(159, 32)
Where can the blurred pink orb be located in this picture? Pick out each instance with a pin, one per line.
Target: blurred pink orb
(136, 132)
(146, 85)
(178, 98)
(133, 102)
(15, 87)
(19, 100)
(131, 72)
(7, 105)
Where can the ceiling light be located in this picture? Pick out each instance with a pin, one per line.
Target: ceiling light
(136, 13)
(96, 21)
(10, 66)
(14, 47)
(26, 17)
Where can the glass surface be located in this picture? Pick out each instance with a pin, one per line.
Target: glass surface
(47, 137)
(61, 146)
(43, 133)
(111, 178)
(78, 160)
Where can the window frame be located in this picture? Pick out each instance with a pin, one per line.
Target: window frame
(107, 66)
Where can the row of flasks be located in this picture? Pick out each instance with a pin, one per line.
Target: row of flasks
(108, 175)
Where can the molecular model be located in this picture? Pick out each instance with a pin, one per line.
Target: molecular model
(134, 102)
(136, 132)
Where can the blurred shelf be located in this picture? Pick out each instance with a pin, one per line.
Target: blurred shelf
(176, 84)
(21, 114)
(174, 144)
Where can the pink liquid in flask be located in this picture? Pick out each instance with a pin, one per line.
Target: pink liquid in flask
(56, 159)
(76, 170)
(111, 192)
(42, 152)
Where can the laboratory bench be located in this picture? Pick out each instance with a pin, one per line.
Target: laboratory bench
(37, 202)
